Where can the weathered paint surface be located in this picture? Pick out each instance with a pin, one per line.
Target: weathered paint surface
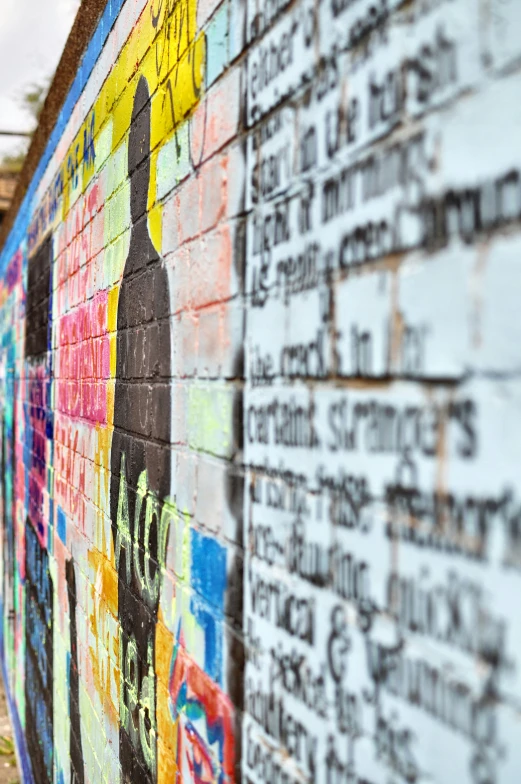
(260, 404)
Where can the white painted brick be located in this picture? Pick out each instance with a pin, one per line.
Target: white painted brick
(236, 40)
(291, 35)
(504, 18)
(363, 308)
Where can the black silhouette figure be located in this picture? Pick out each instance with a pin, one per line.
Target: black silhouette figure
(75, 745)
(39, 655)
(140, 442)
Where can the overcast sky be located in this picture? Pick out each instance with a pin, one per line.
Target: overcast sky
(32, 36)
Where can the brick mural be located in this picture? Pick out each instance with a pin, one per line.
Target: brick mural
(260, 496)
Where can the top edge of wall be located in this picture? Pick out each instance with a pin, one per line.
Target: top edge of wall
(82, 31)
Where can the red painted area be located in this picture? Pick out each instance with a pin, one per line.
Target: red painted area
(198, 700)
(83, 364)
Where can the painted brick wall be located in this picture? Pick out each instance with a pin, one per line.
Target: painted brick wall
(261, 401)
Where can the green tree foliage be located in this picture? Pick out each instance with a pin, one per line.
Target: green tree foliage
(33, 98)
